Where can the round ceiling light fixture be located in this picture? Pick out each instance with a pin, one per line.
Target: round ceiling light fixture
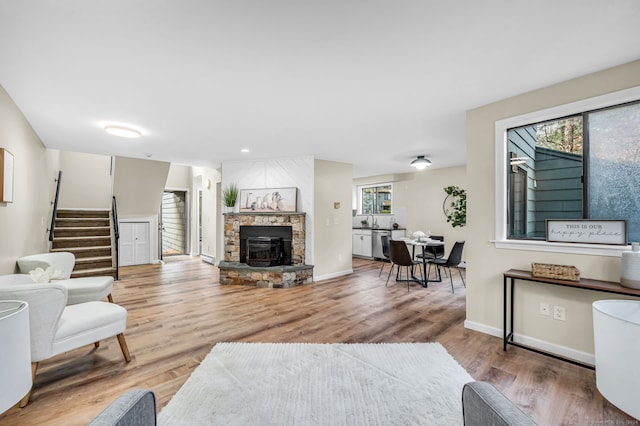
(122, 131)
(420, 163)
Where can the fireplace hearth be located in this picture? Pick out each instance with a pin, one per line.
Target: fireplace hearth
(267, 228)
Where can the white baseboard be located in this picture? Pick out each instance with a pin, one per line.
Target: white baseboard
(584, 357)
(208, 258)
(333, 275)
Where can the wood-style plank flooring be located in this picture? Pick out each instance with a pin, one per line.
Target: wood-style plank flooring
(178, 311)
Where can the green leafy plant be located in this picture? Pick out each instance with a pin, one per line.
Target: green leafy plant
(455, 206)
(230, 195)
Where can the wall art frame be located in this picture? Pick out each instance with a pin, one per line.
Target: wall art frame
(6, 176)
(587, 231)
(265, 200)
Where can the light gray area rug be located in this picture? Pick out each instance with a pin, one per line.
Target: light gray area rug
(321, 384)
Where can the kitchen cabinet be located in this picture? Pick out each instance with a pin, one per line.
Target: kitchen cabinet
(361, 239)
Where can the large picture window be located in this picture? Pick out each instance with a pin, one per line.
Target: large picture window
(582, 166)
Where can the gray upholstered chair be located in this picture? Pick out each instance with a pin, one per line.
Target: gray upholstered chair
(136, 407)
(484, 405)
(80, 290)
(56, 327)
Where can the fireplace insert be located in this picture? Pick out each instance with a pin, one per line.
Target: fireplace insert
(264, 251)
(284, 233)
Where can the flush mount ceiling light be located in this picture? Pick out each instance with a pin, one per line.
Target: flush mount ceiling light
(244, 150)
(420, 163)
(124, 132)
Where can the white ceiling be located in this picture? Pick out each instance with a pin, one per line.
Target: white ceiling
(368, 82)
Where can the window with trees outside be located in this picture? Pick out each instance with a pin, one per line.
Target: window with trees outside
(583, 166)
(375, 199)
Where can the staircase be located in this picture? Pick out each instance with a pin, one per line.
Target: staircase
(86, 234)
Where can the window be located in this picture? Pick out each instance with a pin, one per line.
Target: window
(585, 165)
(375, 199)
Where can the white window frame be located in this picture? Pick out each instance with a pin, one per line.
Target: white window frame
(501, 241)
(374, 185)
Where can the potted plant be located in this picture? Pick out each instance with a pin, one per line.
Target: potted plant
(364, 223)
(230, 196)
(455, 206)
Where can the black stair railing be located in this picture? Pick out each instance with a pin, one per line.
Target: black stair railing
(116, 234)
(55, 206)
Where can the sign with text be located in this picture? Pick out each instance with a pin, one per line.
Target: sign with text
(587, 231)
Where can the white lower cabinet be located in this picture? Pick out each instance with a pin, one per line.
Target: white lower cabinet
(361, 239)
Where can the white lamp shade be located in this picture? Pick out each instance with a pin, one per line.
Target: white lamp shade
(15, 352)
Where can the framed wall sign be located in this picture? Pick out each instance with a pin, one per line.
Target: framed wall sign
(587, 231)
(6, 176)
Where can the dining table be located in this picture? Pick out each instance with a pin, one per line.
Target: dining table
(424, 243)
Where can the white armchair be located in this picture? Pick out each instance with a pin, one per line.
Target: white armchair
(80, 290)
(57, 327)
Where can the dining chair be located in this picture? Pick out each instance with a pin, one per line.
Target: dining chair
(433, 252)
(384, 239)
(400, 257)
(454, 259)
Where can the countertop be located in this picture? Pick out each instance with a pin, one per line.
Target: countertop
(368, 228)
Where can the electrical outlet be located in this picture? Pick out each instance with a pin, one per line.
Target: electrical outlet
(559, 313)
(544, 309)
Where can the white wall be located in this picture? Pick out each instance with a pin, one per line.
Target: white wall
(486, 263)
(209, 210)
(279, 173)
(24, 222)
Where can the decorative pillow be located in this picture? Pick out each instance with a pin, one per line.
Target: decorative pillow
(40, 275)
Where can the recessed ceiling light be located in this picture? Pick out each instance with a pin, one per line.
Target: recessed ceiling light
(125, 132)
(245, 150)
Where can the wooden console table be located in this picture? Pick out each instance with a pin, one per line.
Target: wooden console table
(586, 284)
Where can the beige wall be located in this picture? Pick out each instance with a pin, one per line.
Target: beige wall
(179, 178)
(86, 181)
(422, 194)
(138, 186)
(24, 222)
(486, 263)
(332, 227)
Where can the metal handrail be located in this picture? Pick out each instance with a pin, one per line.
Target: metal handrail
(116, 233)
(55, 206)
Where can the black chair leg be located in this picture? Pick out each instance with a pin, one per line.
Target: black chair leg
(451, 279)
(390, 270)
(381, 267)
(461, 277)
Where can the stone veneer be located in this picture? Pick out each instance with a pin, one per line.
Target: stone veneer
(284, 276)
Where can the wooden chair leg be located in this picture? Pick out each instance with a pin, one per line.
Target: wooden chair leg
(124, 347)
(110, 298)
(25, 400)
(96, 344)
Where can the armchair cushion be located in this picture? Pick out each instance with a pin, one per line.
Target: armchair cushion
(85, 323)
(87, 289)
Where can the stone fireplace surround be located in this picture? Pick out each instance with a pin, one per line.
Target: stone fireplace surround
(232, 272)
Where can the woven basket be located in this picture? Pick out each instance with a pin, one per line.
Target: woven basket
(557, 272)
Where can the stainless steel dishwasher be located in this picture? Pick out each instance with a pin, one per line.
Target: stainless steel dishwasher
(376, 243)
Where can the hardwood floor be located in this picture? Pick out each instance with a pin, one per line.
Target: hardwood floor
(178, 311)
